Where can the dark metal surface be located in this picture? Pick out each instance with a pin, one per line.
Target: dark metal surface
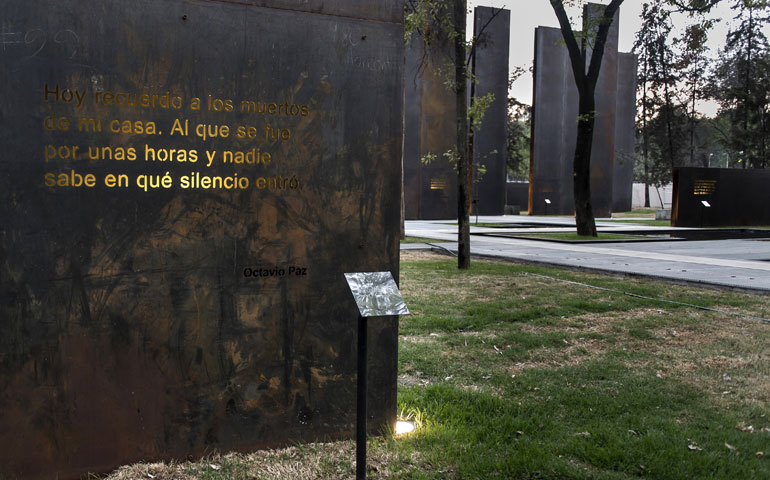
(554, 130)
(154, 325)
(430, 190)
(737, 197)
(554, 124)
(625, 134)
(517, 194)
(377, 10)
(490, 67)
(603, 148)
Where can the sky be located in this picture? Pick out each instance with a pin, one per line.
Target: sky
(528, 14)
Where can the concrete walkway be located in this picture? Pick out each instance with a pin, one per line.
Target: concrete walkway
(734, 264)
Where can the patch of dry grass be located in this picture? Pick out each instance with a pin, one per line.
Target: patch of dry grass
(314, 461)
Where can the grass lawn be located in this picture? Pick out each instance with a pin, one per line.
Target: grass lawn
(515, 374)
(409, 239)
(650, 223)
(639, 212)
(574, 237)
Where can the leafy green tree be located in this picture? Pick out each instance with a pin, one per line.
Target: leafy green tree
(517, 141)
(693, 64)
(652, 49)
(741, 84)
(518, 131)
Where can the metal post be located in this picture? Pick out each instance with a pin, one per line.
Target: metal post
(361, 402)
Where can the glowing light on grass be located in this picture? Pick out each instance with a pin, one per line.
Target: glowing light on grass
(404, 427)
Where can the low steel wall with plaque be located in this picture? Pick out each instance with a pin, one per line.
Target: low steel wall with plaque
(732, 196)
(183, 186)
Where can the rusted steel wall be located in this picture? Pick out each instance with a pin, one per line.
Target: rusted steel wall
(171, 286)
(625, 134)
(492, 28)
(554, 131)
(430, 188)
(737, 197)
(606, 96)
(554, 123)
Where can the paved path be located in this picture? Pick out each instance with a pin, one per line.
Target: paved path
(735, 264)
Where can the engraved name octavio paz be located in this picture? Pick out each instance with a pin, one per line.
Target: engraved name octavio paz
(290, 271)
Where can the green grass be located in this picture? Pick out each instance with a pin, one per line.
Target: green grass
(574, 237)
(650, 223)
(419, 240)
(639, 212)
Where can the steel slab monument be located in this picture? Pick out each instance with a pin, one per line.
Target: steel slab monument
(183, 186)
(554, 122)
(492, 28)
(430, 128)
(554, 126)
(625, 135)
(720, 197)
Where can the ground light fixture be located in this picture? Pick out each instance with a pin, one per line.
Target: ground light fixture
(404, 427)
(706, 205)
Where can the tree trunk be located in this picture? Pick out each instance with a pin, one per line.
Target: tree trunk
(463, 170)
(645, 137)
(581, 167)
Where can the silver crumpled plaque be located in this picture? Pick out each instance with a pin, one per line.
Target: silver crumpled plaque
(376, 294)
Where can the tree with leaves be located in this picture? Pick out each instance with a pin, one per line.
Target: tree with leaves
(652, 48)
(692, 64)
(741, 84)
(586, 81)
(518, 123)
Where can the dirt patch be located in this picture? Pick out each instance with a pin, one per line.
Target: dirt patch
(415, 381)
(420, 338)
(422, 255)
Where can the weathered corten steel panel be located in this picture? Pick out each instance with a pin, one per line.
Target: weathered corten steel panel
(517, 194)
(554, 131)
(554, 122)
(492, 28)
(377, 10)
(412, 111)
(200, 305)
(430, 189)
(625, 134)
(603, 148)
(737, 197)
